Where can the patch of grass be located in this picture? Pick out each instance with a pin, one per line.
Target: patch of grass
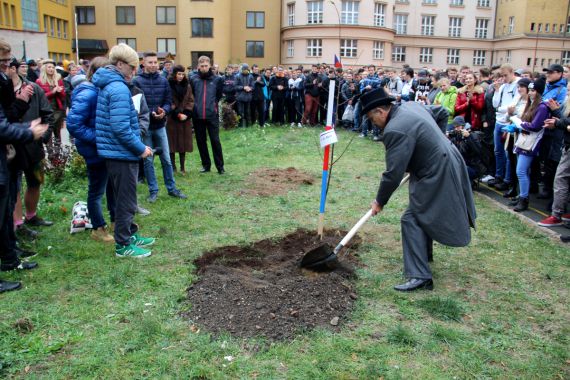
(445, 334)
(444, 308)
(402, 335)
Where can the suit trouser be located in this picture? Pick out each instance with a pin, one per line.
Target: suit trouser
(417, 248)
(7, 243)
(123, 175)
(203, 128)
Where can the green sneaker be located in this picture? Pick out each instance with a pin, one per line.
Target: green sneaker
(131, 250)
(140, 241)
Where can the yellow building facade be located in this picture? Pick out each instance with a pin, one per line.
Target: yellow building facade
(229, 31)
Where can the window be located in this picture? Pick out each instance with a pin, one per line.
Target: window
(125, 15)
(290, 48)
(429, 2)
(456, 3)
(30, 15)
(349, 13)
(13, 11)
(166, 45)
(511, 24)
(528, 61)
(398, 53)
(455, 26)
(254, 49)
(566, 57)
(508, 57)
(567, 26)
(483, 3)
(378, 50)
(426, 55)
(401, 23)
(481, 25)
(348, 48)
(52, 26)
(539, 28)
(532, 26)
(202, 27)
(46, 22)
(291, 14)
(85, 15)
(132, 42)
(58, 25)
(547, 28)
(479, 57)
(428, 25)
(314, 47)
(166, 15)
(554, 28)
(314, 12)
(453, 56)
(64, 24)
(255, 19)
(379, 14)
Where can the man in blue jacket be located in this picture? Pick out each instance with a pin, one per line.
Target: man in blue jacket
(159, 99)
(118, 142)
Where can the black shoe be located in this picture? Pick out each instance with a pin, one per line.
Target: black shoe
(511, 193)
(6, 286)
(565, 238)
(36, 221)
(415, 284)
(495, 181)
(204, 170)
(544, 195)
(18, 266)
(221, 171)
(152, 198)
(177, 194)
(502, 186)
(23, 254)
(522, 205)
(514, 201)
(24, 232)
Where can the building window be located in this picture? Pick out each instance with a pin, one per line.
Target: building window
(85, 15)
(64, 24)
(13, 14)
(456, 3)
(348, 48)
(554, 28)
(453, 56)
(30, 15)
(511, 24)
(125, 15)
(290, 48)
(166, 15)
(429, 2)
(314, 47)
(379, 14)
(349, 13)
(428, 25)
(401, 23)
(202, 27)
(508, 57)
(567, 26)
(455, 26)
(291, 14)
(166, 45)
(547, 28)
(254, 49)
(398, 53)
(378, 50)
(132, 42)
(540, 27)
(479, 57)
(565, 58)
(314, 12)
(481, 26)
(426, 55)
(58, 24)
(52, 26)
(483, 3)
(532, 26)
(255, 20)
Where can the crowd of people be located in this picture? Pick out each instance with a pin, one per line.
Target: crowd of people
(510, 126)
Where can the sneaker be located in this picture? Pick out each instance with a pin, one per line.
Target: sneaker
(565, 217)
(101, 234)
(362, 135)
(376, 138)
(36, 221)
(292, 124)
(177, 194)
(487, 178)
(142, 211)
(551, 221)
(152, 198)
(140, 241)
(299, 125)
(131, 250)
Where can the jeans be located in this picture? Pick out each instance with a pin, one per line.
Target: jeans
(502, 169)
(357, 109)
(98, 185)
(156, 138)
(523, 167)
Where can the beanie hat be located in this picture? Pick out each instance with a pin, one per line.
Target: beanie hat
(524, 82)
(538, 85)
(244, 66)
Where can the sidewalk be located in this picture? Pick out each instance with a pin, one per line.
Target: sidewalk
(536, 212)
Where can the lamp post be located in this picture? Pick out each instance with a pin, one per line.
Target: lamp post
(339, 28)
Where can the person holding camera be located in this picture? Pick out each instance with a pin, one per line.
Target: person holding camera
(469, 145)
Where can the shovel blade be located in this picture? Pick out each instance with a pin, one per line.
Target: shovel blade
(318, 256)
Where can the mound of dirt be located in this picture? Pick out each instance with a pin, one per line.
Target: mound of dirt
(266, 182)
(260, 290)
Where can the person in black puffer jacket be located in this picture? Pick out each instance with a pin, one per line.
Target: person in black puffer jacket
(244, 88)
(278, 85)
(258, 99)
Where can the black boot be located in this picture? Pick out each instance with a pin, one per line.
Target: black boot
(495, 181)
(502, 186)
(511, 193)
(514, 201)
(522, 205)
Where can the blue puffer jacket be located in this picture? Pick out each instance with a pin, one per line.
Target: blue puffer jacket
(118, 134)
(81, 121)
(157, 94)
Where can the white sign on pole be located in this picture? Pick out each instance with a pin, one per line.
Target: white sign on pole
(328, 137)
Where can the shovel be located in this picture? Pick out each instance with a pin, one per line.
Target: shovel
(323, 257)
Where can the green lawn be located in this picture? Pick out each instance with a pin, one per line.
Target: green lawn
(500, 308)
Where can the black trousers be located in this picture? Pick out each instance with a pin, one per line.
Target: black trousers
(123, 175)
(278, 115)
(258, 111)
(7, 238)
(203, 128)
(243, 110)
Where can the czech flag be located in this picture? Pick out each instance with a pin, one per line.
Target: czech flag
(337, 62)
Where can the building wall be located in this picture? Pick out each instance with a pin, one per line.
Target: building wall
(10, 15)
(59, 42)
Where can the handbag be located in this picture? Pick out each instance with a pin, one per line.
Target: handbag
(528, 140)
(348, 114)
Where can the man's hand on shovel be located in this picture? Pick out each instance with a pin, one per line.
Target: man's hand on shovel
(376, 208)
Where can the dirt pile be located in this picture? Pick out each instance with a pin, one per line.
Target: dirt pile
(260, 290)
(266, 182)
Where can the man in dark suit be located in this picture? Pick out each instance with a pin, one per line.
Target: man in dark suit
(441, 201)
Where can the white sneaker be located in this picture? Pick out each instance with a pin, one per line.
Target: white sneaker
(299, 125)
(293, 124)
(487, 178)
(142, 211)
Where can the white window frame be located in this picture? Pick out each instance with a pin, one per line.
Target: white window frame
(479, 57)
(428, 25)
(314, 12)
(426, 55)
(348, 48)
(168, 42)
(290, 48)
(566, 57)
(314, 47)
(379, 14)
(453, 56)
(511, 24)
(508, 56)
(291, 14)
(547, 28)
(349, 14)
(128, 41)
(398, 53)
(457, 3)
(378, 50)
(483, 3)
(455, 26)
(429, 1)
(401, 23)
(481, 28)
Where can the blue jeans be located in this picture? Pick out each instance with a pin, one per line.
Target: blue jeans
(503, 169)
(523, 167)
(156, 138)
(99, 184)
(357, 109)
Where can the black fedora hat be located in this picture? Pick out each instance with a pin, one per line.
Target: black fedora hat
(375, 98)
